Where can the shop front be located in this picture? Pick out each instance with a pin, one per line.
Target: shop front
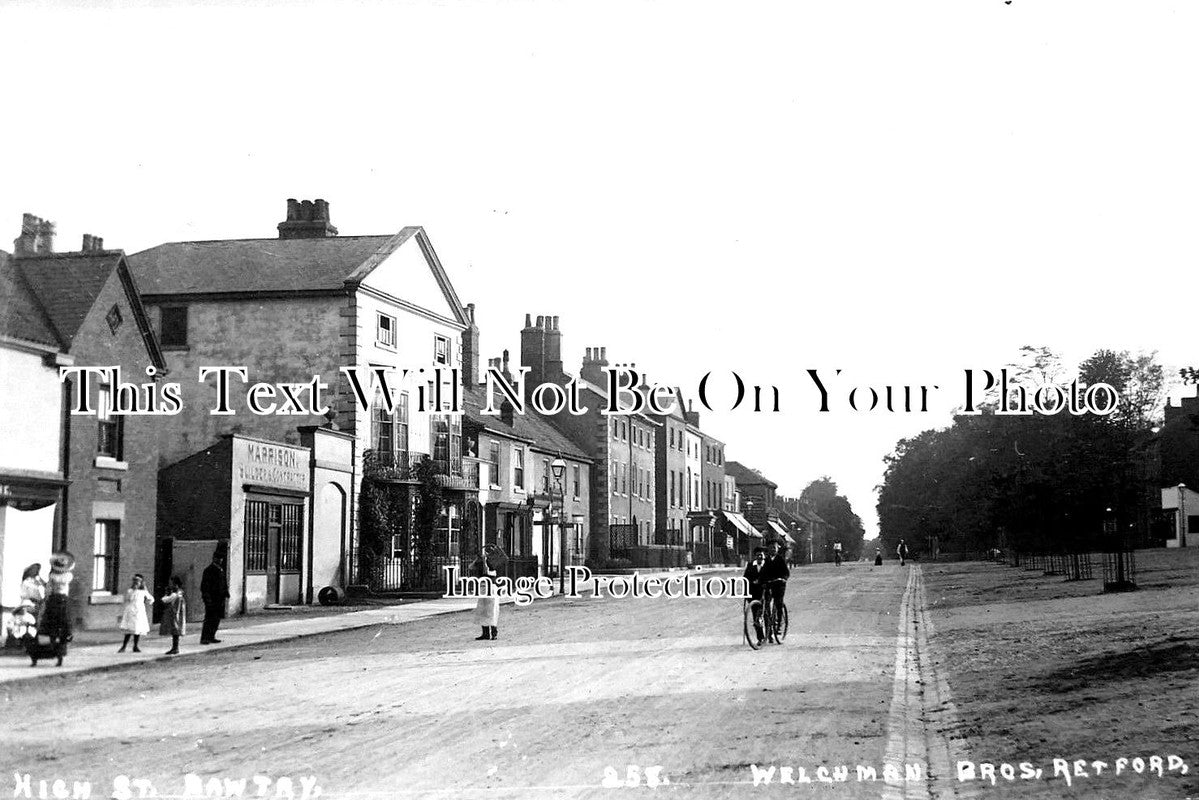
(248, 501)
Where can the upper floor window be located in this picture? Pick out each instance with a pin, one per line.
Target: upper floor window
(578, 480)
(545, 470)
(493, 458)
(173, 328)
(111, 433)
(441, 350)
(385, 330)
(518, 468)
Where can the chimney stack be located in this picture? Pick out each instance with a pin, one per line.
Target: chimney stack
(593, 365)
(37, 237)
(692, 417)
(532, 353)
(306, 219)
(92, 244)
(553, 352)
(470, 350)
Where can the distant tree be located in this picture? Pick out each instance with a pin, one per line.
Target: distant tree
(843, 524)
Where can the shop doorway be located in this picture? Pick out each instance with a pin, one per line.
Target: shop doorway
(274, 529)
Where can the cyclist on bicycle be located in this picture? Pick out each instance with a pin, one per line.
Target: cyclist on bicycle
(776, 572)
(754, 574)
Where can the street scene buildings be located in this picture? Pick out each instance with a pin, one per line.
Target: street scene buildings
(384, 490)
(379, 493)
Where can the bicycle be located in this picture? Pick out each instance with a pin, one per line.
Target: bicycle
(774, 620)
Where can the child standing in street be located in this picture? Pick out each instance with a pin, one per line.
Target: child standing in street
(174, 614)
(135, 617)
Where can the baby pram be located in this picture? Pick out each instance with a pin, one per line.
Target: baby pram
(38, 645)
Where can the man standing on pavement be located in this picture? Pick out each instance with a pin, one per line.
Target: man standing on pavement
(214, 590)
(902, 552)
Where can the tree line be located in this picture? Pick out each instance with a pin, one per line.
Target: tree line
(1033, 483)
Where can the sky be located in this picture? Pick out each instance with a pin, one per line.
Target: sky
(900, 191)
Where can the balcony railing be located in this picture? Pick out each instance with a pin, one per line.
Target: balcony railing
(385, 465)
(400, 466)
(456, 473)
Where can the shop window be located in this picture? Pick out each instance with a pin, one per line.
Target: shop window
(273, 525)
(111, 427)
(106, 548)
(173, 328)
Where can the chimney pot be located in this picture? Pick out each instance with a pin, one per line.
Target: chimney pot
(293, 210)
(528, 320)
(98, 242)
(603, 354)
(87, 242)
(320, 211)
(306, 211)
(555, 323)
(541, 322)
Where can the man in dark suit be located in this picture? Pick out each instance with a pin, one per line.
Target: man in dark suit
(214, 590)
(776, 572)
(753, 573)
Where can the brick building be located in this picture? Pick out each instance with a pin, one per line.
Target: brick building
(524, 508)
(32, 427)
(620, 446)
(305, 304)
(109, 507)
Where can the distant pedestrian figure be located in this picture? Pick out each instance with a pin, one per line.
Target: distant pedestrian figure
(902, 552)
(837, 553)
(487, 610)
(174, 614)
(135, 616)
(878, 556)
(214, 591)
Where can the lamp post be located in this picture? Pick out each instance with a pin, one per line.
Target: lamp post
(558, 468)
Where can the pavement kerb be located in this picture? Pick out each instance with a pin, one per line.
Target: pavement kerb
(16, 669)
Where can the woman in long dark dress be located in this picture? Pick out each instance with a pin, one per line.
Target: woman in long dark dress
(56, 615)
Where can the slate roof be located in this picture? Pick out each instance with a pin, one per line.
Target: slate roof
(67, 285)
(21, 316)
(746, 476)
(530, 426)
(258, 265)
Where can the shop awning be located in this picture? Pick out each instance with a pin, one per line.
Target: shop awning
(780, 531)
(742, 524)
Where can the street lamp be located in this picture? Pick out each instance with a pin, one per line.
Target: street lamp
(558, 468)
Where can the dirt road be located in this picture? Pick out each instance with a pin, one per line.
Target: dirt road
(574, 691)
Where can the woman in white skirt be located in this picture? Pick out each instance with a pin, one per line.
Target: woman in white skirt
(135, 616)
(487, 611)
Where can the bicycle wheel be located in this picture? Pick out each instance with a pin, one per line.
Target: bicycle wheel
(780, 628)
(768, 619)
(751, 635)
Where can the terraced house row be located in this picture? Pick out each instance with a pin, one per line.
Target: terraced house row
(375, 496)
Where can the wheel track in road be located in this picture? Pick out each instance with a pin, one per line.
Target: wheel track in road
(922, 708)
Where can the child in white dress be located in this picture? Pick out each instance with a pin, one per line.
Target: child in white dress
(135, 616)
